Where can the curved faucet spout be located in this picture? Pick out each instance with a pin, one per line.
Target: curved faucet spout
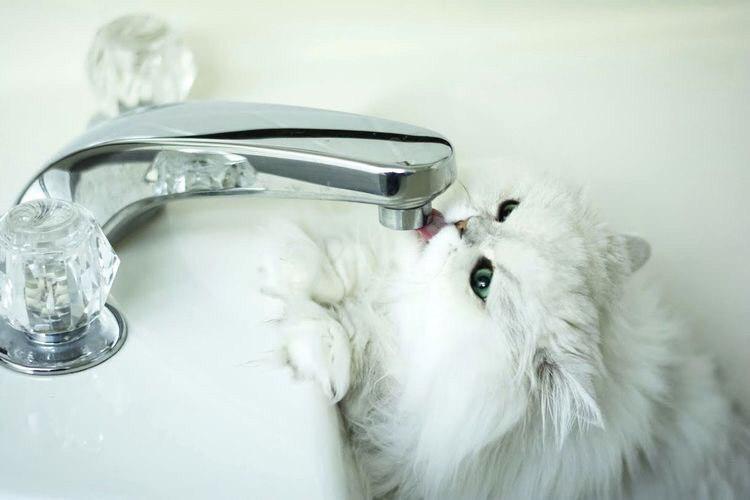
(127, 167)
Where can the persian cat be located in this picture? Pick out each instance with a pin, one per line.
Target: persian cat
(506, 350)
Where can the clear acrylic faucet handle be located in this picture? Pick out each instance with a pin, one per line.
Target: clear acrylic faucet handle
(56, 272)
(137, 60)
(56, 267)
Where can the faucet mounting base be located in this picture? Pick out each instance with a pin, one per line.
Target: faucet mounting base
(100, 341)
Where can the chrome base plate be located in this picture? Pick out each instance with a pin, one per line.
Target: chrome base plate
(100, 341)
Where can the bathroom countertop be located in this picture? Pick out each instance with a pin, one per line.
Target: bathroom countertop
(645, 104)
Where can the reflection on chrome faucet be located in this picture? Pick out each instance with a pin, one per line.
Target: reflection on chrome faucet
(177, 172)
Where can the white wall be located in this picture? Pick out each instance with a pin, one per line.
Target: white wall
(647, 104)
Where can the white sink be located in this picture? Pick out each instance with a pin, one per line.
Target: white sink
(182, 411)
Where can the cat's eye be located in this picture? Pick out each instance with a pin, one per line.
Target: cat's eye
(481, 277)
(505, 209)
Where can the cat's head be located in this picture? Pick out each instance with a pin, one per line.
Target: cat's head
(501, 313)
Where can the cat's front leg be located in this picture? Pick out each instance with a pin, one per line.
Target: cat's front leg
(316, 347)
(303, 286)
(293, 264)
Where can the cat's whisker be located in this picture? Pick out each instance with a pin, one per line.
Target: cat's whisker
(470, 201)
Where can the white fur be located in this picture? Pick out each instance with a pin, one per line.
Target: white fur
(570, 381)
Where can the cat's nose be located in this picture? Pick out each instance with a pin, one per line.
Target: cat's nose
(461, 226)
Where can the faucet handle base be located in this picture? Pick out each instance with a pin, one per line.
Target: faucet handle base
(92, 345)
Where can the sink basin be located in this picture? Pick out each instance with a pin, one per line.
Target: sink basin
(188, 408)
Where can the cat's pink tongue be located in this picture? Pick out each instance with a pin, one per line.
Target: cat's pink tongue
(437, 222)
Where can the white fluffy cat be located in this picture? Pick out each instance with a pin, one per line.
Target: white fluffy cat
(508, 353)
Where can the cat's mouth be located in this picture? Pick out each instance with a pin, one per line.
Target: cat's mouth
(433, 227)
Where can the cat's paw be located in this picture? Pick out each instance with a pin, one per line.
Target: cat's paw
(318, 349)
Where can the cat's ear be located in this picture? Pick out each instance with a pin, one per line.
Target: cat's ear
(638, 251)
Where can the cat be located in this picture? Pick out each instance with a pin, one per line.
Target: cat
(506, 350)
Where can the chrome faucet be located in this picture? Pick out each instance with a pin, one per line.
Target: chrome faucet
(123, 169)
(57, 266)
